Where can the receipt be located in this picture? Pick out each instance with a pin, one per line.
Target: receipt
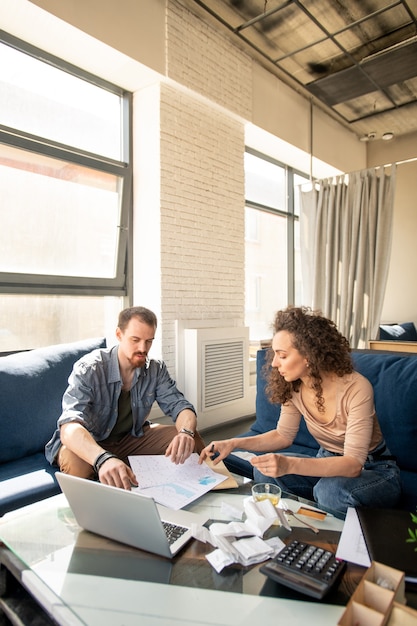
(241, 542)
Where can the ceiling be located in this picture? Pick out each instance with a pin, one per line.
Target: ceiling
(357, 59)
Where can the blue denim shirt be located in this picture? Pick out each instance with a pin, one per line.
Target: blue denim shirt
(93, 391)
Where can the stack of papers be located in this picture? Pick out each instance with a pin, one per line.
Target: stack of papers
(244, 551)
(242, 542)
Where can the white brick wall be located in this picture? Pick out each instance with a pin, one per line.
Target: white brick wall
(203, 60)
(193, 247)
(202, 214)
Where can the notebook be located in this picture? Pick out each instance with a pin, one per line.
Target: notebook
(385, 532)
(127, 517)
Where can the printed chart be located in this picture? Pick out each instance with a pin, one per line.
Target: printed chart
(172, 485)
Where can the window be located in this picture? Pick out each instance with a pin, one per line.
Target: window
(65, 176)
(272, 248)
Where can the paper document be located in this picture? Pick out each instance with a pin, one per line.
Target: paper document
(172, 485)
(352, 546)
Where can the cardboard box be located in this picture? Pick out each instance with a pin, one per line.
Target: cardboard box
(379, 600)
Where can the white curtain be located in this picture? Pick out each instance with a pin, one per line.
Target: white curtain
(346, 233)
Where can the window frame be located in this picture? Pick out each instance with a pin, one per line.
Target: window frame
(51, 284)
(290, 214)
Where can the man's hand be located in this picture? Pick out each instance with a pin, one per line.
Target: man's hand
(180, 448)
(117, 474)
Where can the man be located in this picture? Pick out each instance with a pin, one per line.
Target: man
(105, 408)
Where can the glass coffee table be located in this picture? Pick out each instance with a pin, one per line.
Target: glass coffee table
(76, 577)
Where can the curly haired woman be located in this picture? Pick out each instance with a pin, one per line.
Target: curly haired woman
(310, 372)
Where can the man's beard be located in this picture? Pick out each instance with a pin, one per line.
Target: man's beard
(143, 356)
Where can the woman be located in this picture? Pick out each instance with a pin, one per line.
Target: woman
(312, 375)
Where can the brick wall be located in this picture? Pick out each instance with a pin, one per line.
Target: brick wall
(202, 214)
(201, 177)
(205, 61)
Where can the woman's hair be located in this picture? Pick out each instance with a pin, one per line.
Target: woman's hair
(317, 339)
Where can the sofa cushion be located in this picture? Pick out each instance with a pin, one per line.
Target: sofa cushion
(394, 379)
(409, 491)
(31, 388)
(398, 332)
(25, 481)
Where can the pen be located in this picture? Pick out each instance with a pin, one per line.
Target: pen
(212, 448)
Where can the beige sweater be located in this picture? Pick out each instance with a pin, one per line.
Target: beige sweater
(353, 431)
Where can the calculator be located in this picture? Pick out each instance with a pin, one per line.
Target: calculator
(306, 568)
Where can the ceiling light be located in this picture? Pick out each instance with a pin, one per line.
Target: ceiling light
(388, 136)
(369, 137)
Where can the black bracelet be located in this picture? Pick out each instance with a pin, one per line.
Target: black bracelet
(101, 459)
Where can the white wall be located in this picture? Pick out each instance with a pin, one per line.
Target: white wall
(400, 304)
(134, 27)
(286, 114)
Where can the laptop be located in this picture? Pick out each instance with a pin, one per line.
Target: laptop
(127, 517)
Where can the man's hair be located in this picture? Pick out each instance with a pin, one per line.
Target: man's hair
(145, 315)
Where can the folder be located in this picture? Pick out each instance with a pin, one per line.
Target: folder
(386, 532)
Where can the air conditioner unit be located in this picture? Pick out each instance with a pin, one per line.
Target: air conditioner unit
(216, 373)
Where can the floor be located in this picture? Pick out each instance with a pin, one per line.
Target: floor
(231, 429)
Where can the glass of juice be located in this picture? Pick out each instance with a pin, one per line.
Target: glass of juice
(266, 491)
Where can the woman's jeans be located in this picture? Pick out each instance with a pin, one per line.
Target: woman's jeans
(377, 486)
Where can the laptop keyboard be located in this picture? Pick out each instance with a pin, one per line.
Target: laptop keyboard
(173, 532)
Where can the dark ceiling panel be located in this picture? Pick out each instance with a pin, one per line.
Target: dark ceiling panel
(386, 68)
(345, 85)
(356, 57)
(393, 66)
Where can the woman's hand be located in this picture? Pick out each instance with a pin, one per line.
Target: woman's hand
(272, 465)
(217, 449)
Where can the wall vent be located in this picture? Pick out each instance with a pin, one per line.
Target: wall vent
(223, 373)
(216, 373)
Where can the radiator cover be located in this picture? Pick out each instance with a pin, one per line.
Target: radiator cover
(216, 373)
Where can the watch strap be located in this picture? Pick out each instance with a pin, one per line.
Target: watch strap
(187, 432)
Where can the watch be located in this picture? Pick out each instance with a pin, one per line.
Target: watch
(187, 432)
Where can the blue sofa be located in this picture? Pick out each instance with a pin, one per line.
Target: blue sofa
(394, 379)
(32, 384)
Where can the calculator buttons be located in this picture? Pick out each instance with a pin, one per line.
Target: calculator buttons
(305, 568)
